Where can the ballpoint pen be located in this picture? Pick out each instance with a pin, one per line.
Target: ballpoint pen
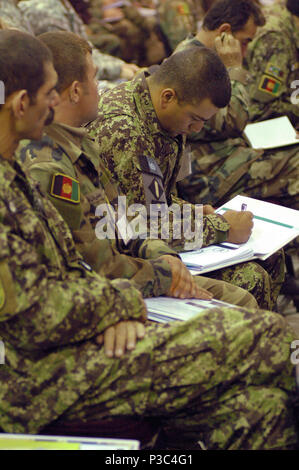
(243, 207)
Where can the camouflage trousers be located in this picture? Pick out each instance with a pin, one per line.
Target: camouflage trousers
(223, 378)
(271, 175)
(263, 279)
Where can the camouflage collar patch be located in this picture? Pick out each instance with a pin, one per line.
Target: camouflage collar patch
(65, 187)
(269, 85)
(274, 71)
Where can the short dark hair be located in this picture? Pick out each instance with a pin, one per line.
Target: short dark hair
(69, 56)
(195, 73)
(234, 12)
(293, 7)
(22, 59)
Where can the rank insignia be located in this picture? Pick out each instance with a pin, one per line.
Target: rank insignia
(269, 85)
(156, 189)
(275, 71)
(65, 187)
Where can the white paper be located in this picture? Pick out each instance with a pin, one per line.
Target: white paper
(271, 133)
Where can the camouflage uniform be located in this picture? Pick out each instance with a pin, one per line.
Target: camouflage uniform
(147, 162)
(70, 152)
(225, 370)
(10, 13)
(223, 164)
(52, 15)
(177, 19)
(273, 60)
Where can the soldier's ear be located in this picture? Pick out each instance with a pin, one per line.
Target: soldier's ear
(75, 92)
(225, 28)
(167, 96)
(19, 103)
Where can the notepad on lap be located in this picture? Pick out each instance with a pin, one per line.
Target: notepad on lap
(272, 133)
(274, 227)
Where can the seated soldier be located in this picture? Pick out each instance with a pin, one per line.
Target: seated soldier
(153, 114)
(76, 346)
(67, 152)
(60, 15)
(273, 61)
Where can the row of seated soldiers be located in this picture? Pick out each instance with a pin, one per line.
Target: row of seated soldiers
(222, 163)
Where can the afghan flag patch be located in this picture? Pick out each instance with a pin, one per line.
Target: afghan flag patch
(65, 187)
(269, 85)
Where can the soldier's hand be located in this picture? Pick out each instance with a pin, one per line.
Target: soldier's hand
(241, 224)
(229, 50)
(128, 71)
(121, 337)
(208, 209)
(183, 285)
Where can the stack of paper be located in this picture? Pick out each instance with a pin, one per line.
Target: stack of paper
(40, 442)
(165, 309)
(274, 227)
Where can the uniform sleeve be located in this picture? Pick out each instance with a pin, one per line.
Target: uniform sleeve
(176, 22)
(139, 187)
(101, 254)
(269, 91)
(43, 307)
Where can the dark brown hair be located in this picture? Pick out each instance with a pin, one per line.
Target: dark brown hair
(234, 12)
(195, 73)
(22, 59)
(69, 56)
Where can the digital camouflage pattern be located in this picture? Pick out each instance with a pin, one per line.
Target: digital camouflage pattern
(12, 16)
(273, 60)
(69, 151)
(226, 369)
(178, 19)
(223, 164)
(147, 162)
(53, 15)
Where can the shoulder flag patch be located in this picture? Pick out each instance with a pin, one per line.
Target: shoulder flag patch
(275, 71)
(269, 85)
(65, 187)
(183, 9)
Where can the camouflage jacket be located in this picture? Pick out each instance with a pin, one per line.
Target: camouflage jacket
(177, 19)
(68, 156)
(11, 14)
(143, 157)
(223, 164)
(51, 307)
(273, 60)
(53, 15)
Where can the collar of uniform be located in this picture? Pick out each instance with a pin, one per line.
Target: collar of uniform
(68, 137)
(9, 170)
(145, 106)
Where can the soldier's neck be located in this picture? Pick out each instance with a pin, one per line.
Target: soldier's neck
(8, 140)
(207, 38)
